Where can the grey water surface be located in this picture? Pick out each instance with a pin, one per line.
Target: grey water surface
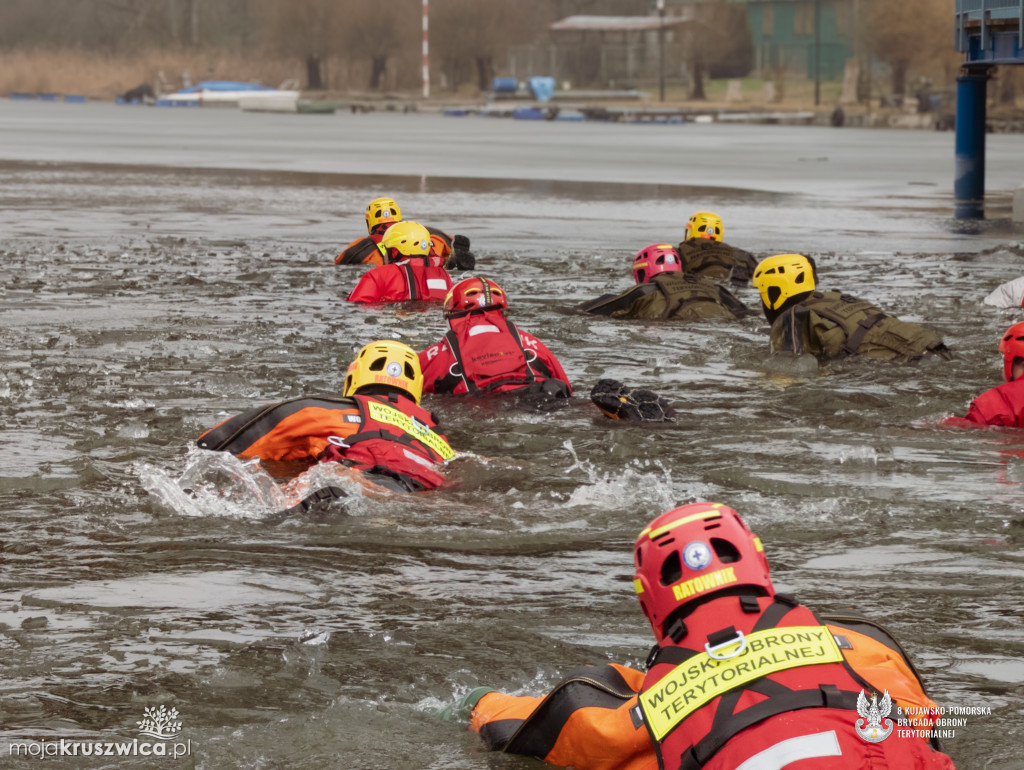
(161, 269)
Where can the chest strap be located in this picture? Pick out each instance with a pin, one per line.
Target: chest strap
(863, 327)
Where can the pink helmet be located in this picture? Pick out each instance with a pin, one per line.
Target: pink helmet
(1012, 347)
(692, 552)
(658, 258)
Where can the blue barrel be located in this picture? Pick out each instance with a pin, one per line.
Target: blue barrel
(505, 85)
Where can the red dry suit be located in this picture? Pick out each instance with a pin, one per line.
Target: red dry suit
(730, 715)
(484, 351)
(414, 278)
(1002, 406)
(388, 435)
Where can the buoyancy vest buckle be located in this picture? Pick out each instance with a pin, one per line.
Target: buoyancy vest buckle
(718, 644)
(338, 441)
(677, 631)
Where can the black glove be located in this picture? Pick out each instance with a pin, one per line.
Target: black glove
(461, 257)
(327, 499)
(622, 403)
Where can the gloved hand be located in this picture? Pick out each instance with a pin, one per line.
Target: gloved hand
(460, 710)
(461, 257)
(622, 403)
(324, 500)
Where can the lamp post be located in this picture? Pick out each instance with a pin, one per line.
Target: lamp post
(661, 50)
(817, 52)
(426, 50)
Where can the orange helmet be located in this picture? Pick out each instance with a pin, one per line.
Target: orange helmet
(382, 211)
(704, 224)
(693, 552)
(1012, 347)
(474, 294)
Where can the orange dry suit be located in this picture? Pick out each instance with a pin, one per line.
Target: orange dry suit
(389, 436)
(718, 716)
(364, 251)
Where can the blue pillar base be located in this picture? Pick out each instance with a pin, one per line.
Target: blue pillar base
(969, 185)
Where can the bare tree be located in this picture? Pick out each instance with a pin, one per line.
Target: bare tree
(907, 33)
(475, 34)
(305, 29)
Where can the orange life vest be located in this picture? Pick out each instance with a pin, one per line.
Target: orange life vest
(391, 435)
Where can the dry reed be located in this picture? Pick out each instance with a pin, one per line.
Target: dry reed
(100, 76)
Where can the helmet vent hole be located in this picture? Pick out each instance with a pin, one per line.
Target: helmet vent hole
(726, 552)
(671, 569)
(378, 365)
(639, 558)
(409, 373)
(799, 278)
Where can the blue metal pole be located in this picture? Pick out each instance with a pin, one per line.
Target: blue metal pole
(969, 186)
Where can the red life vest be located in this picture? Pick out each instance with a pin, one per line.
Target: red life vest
(489, 356)
(395, 439)
(776, 657)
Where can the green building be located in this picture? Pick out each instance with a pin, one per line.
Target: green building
(784, 32)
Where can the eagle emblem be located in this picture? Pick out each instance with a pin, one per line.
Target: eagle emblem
(874, 727)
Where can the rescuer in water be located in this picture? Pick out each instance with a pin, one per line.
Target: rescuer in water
(831, 325)
(741, 678)
(664, 291)
(381, 213)
(377, 427)
(1003, 405)
(410, 271)
(484, 352)
(706, 255)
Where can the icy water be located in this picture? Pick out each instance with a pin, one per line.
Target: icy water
(143, 301)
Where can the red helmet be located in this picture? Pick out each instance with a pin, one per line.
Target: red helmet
(659, 258)
(693, 552)
(474, 294)
(1012, 347)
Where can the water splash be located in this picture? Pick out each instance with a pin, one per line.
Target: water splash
(214, 484)
(220, 484)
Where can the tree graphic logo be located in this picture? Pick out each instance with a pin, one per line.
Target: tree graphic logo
(160, 723)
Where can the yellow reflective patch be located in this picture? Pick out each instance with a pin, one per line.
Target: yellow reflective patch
(638, 586)
(701, 679)
(417, 430)
(708, 513)
(699, 585)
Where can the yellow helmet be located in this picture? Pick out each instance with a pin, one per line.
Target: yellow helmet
(382, 211)
(405, 239)
(387, 363)
(704, 224)
(780, 277)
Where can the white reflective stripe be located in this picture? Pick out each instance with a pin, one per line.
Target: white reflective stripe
(483, 329)
(437, 283)
(793, 750)
(417, 458)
